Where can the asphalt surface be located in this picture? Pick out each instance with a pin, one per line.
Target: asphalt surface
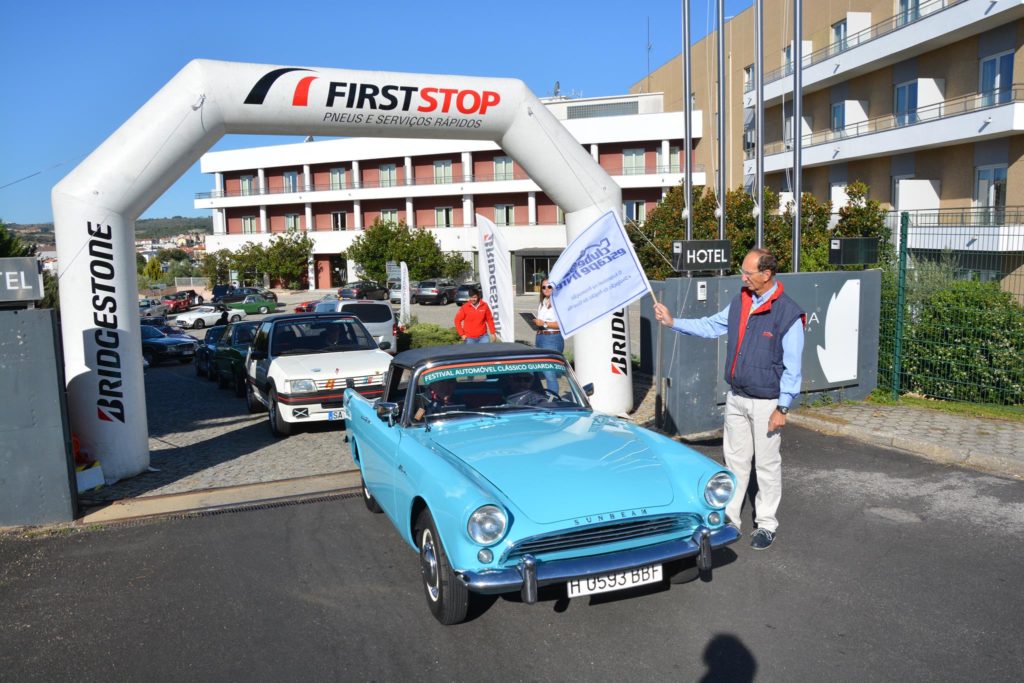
(886, 567)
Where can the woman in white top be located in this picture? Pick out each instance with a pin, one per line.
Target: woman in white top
(548, 334)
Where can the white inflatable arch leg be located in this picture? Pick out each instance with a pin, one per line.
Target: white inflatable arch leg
(96, 205)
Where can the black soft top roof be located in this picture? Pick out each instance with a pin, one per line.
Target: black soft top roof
(432, 354)
(292, 317)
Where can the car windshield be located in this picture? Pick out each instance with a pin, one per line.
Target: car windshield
(496, 387)
(150, 332)
(370, 313)
(320, 336)
(204, 309)
(325, 307)
(244, 332)
(428, 284)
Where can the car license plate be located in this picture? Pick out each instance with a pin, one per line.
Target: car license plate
(615, 581)
(336, 414)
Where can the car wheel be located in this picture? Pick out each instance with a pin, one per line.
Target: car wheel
(251, 404)
(199, 324)
(447, 596)
(444, 300)
(368, 499)
(199, 301)
(222, 380)
(278, 427)
(150, 358)
(239, 386)
(235, 318)
(264, 310)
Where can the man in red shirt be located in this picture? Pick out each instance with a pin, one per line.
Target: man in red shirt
(474, 321)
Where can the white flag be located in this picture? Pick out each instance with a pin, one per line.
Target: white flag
(404, 309)
(496, 278)
(596, 275)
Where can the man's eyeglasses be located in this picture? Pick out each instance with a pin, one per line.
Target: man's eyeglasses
(750, 274)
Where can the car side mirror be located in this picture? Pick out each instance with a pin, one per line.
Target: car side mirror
(384, 345)
(387, 412)
(588, 389)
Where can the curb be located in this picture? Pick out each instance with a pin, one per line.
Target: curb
(993, 464)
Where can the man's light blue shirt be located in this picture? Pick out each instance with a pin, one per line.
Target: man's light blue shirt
(716, 325)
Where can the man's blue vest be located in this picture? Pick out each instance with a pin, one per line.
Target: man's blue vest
(754, 359)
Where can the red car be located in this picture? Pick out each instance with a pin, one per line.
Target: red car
(307, 306)
(177, 302)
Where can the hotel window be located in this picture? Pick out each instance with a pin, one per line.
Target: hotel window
(990, 192)
(909, 10)
(748, 78)
(504, 214)
(905, 103)
(838, 117)
(246, 185)
(337, 179)
(634, 210)
(291, 181)
(389, 216)
(670, 166)
(248, 225)
(388, 176)
(443, 217)
(633, 162)
(503, 168)
(838, 36)
(291, 222)
(996, 79)
(338, 221)
(787, 131)
(442, 171)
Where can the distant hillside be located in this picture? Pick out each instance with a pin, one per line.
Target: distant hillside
(148, 228)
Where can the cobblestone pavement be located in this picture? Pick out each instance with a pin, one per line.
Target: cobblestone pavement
(201, 437)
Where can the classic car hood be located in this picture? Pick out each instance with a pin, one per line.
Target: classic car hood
(562, 466)
(340, 364)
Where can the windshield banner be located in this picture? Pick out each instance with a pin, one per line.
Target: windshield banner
(596, 275)
(491, 369)
(496, 278)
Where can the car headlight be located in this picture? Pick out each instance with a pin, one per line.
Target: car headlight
(487, 525)
(719, 489)
(301, 386)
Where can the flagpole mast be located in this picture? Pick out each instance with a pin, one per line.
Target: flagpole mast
(759, 117)
(798, 125)
(687, 123)
(721, 119)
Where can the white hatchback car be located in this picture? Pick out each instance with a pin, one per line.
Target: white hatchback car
(299, 366)
(378, 317)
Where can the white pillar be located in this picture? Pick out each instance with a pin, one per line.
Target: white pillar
(664, 192)
(666, 158)
(261, 181)
(264, 223)
(410, 213)
(467, 167)
(468, 219)
(309, 217)
(357, 179)
(531, 208)
(218, 184)
(594, 154)
(357, 214)
(307, 179)
(220, 221)
(408, 174)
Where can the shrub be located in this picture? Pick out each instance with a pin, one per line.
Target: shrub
(965, 342)
(427, 334)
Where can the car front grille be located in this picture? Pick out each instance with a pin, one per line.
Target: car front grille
(341, 383)
(603, 534)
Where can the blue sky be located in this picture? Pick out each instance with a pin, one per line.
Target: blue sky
(75, 71)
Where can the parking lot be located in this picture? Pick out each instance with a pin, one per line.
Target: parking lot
(202, 437)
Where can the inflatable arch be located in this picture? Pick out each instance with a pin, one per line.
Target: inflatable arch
(96, 205)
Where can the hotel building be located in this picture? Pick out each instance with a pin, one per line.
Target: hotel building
(334, 189)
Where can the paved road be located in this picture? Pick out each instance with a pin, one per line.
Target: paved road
(887, 567)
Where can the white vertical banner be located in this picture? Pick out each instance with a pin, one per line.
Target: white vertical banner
(405, 298)
(496, 278)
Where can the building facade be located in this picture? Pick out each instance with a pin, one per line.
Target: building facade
(335, 189)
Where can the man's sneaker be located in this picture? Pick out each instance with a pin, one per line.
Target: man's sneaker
(762, 539)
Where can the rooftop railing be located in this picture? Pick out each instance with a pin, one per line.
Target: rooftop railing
(882, 28)
(935, 112)
(427, 181)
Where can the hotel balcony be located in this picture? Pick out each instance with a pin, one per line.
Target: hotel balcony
(970, 118)
(934, 24)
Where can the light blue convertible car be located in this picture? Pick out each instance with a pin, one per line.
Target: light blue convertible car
(503, 485)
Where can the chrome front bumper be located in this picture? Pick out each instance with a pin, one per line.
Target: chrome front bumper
(531, 574)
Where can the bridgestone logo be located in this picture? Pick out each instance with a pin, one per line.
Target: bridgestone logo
(110, 404)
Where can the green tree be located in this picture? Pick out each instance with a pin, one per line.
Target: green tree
(140, 263)
(216, 267)
(389, 241)
(11, 245)
(251, 263)
(153, 270)
(863, 217)
(287, 257)
(174, 254)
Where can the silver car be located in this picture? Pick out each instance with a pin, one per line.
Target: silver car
(396, 291)
(152, 307)
(376, 316)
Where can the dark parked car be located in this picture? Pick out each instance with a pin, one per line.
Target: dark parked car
(220, 291)
(440, 291)
(462, 293)
(228, 363)
(239, 294)
(364, 289)
(207, 347)
(158, 347)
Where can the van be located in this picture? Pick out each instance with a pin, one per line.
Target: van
(377, 316)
